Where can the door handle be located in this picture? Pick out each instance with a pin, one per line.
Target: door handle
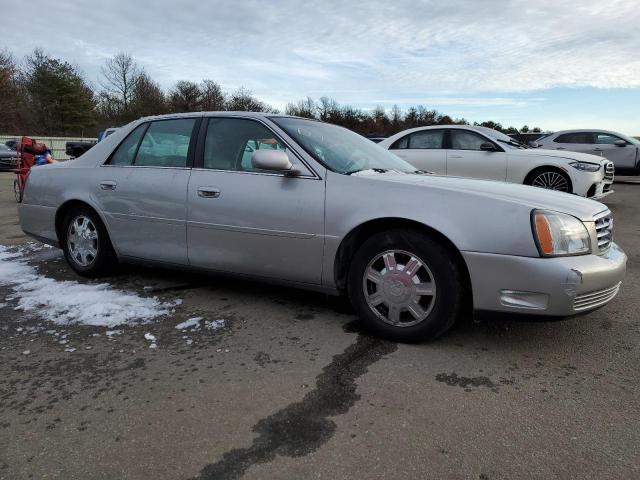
(455, 156)
(208, 192)
(597, 149)
(108, 185)
(560, 148)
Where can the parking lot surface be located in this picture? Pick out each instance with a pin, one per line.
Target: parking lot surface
(287, 386)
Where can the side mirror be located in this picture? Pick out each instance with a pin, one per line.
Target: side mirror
(620, 143)
(488, 147)
(274, 160)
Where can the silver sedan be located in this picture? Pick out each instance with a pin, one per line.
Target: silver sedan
(308, 204)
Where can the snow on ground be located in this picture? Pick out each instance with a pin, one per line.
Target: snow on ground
(214, 324)
(70, 302)
(190, 323)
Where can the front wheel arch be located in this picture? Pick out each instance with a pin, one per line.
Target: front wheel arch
(548, 168)
(66, 207)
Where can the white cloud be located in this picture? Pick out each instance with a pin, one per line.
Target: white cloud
(360, 51)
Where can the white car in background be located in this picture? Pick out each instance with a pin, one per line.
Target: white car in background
(480, 152)
(622, 150)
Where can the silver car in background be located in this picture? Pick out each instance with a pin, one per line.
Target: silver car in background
(622, 150)
(303, 203)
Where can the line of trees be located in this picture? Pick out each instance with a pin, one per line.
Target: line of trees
(42, 95)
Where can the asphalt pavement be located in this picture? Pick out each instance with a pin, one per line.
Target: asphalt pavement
(291, 388)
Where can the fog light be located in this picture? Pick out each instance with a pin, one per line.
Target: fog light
(529, 300)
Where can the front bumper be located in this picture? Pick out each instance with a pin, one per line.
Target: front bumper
(559, 286)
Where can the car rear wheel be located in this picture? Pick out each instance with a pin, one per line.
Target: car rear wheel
(86, 243)
(550, 179)
(406, 286)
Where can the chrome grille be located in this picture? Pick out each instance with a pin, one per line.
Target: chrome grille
(590, 300)
(609, 170)
(604, 231)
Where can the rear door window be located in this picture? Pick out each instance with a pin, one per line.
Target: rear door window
(576, 137)
(427, 139)
(606, 138)
(166, 143)
(126, 151)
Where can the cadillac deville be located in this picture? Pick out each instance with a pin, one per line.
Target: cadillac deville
(312, 205)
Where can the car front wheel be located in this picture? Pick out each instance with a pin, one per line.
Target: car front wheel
(550, 179)
(406, 286)
(86, 244)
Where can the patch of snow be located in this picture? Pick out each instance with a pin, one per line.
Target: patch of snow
(70, 302)
(214, 324)
(191, 323)
(111, 333)
(375, 173)
(69, 349)
(2, 305)
(150, 337)
(26, 352)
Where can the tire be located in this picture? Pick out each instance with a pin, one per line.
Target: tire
(550, 179)
(86, 243)
(416, 282)
(17, 192)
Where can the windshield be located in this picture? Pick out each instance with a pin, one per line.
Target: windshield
(339, 149)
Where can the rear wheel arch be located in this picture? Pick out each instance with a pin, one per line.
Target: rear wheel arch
(546, 168)
(358, 235)
(66, 207)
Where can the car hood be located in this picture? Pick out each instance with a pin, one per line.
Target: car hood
(532, 197)
(566, 154)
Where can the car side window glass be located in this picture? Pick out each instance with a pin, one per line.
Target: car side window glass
(466, 140)
(577, 137)
(231, 142)
(606, 139)
(400, 144)
(166, 143)
(427, 139)
(127, 149)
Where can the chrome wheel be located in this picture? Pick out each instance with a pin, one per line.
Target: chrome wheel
(399, 288)
(82, 241)
(551, 181)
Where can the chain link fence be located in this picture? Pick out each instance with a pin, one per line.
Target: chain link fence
(57, 145)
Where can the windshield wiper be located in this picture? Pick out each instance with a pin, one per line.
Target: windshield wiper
(513, 143)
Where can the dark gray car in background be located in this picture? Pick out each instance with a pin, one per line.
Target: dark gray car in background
(8, 158)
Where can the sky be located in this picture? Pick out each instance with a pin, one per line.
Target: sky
(553, 64)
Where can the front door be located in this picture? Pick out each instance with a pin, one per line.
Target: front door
(253, 222)
(621, 156)
(465, 158)
(142, 191)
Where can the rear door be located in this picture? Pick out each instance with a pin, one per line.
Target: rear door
(465, 158)
(248, 221)
(424, 150)
(621, 156)
(142, 190)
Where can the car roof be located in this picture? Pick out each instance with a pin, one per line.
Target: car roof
(586, 130)
(218, 114)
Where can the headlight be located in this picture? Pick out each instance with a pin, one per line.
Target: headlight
(558, 234)
(585, 166)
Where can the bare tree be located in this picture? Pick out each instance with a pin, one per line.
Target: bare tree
(120, 76)
(10, 89)
(185, 97)
(212, 97)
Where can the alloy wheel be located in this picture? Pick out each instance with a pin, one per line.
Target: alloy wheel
(82, 240)
(399, 288)
(551, 181)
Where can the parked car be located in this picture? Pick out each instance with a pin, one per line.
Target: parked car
(480, 152)
(528, 138)
(622, 150)
(75, 148)
(323, 208)
(12, 144)
(8, 159)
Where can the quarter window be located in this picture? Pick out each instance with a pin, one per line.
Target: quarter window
(166, 143)
(577, 137)
(126, 151)
(427, 139)
(230, 143)
(400, 144)
(466, 140)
